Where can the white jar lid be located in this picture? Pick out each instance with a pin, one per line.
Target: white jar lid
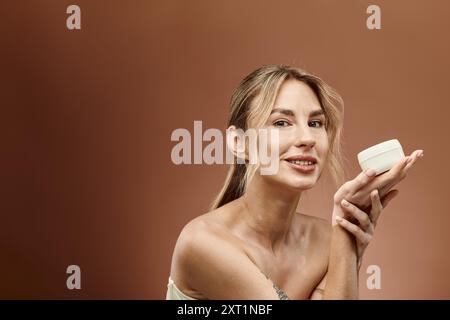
(378, 149)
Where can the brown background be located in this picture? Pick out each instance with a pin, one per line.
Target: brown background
(87, 115)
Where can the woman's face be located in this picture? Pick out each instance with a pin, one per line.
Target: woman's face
(299, 119)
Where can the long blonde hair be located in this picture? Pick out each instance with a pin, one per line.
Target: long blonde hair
(248, 112)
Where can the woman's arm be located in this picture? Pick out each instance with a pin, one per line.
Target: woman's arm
(342, 275)
(349, 240)
(342, 284)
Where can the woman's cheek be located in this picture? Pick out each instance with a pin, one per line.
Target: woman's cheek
(284, 141)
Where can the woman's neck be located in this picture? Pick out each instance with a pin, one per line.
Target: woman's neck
(268, 212)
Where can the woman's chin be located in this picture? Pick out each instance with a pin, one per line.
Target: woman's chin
(303, 184)
(294, 183)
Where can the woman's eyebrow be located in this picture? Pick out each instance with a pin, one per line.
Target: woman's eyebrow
(289, 112)
(317, 113)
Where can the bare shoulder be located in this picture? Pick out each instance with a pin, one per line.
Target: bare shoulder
(213, 225)
(202, 230)
(191, 241)
(209, 263)
(206, 227)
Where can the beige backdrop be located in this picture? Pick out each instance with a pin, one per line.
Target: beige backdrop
(87, 115)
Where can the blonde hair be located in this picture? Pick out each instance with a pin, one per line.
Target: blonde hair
(248, 112)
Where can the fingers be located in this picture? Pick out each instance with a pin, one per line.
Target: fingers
(358, 189)
(377, 206)
(362, 218)
(386, 180)
(354, 185)
(399, 175)
(413, 158)
(396, 171)
(357, 232)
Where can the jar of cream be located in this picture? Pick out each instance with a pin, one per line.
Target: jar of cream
(381, 157)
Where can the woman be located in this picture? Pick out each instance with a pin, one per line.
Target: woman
(253, 244)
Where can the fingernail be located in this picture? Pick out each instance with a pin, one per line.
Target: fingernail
(370, 172)
(339, 219)
(345, 203)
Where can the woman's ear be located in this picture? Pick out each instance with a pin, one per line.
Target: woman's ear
(236, 144)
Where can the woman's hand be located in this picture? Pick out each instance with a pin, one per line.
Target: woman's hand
(361, 219)
(362, 224)
(358, 192)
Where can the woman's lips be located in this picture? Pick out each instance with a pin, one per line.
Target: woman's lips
(302, 168)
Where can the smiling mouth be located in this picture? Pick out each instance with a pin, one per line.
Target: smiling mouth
(302, 165)
(301, 162)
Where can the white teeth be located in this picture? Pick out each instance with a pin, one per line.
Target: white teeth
(301, 162)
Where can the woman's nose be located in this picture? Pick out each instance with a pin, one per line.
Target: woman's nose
(304, 137)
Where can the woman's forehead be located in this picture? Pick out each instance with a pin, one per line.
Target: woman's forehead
(296, 96)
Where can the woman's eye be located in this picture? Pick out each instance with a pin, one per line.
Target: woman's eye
(281, 123)
(318, 123)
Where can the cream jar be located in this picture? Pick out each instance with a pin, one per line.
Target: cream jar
(381, 157)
